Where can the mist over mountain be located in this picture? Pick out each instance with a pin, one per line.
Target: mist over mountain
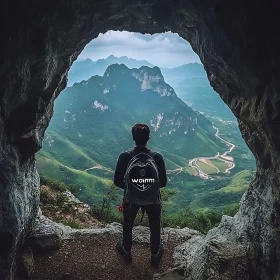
(190, 70)
(189, 81)
(84, 69)
(192, 85)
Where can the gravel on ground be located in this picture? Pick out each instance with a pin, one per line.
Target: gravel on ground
(95, 257)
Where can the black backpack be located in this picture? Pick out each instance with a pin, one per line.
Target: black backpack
(142, 179)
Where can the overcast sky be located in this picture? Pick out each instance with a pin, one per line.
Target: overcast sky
(165, 49)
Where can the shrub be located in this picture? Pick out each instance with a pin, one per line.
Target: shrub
(72, 224)
(61, 199)
(45, 196)
(108, 215)
(186, 217)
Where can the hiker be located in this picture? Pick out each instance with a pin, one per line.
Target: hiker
(141, 172)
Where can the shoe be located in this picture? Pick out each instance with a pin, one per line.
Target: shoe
(126, 255)
(155, 259)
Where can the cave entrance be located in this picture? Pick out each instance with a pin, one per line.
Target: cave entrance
(122, 78)
(241, 58)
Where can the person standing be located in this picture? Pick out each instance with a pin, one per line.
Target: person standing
(141, 173)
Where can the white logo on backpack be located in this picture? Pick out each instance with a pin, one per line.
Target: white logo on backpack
(142, 184)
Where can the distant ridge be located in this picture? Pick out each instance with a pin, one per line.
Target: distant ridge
(84, 69)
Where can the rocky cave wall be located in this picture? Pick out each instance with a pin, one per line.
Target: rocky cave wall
(237, 43)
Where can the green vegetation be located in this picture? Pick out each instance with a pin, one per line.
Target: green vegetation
(108, 215)
(207, 195)
(106, 210)
(201, 221)
(198, 92)
(186, 217)
(189, 191)
(238, 183)
(87, 187)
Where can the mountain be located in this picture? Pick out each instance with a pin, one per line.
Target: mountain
(189, 81)
(129, 62)
(84, 69)
(93, 119)
(192, 85)
(190, 70)
(199, 95)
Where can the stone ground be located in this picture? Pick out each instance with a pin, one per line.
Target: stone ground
(95, 257)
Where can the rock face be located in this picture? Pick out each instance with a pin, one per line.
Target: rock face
(25, 264)
(238, 45)
(47, 235)
(19, 195)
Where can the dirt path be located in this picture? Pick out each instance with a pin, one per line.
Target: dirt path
(95, 257)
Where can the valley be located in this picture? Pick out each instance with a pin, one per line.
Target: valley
(208, 164)
(220, 163)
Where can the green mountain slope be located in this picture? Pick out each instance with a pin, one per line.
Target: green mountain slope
(88, 187)
(193, 87)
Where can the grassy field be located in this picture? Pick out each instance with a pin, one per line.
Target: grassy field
(191, 171)
(206, 168)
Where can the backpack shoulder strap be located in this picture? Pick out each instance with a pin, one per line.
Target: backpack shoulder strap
(130, 153)
(152, 153)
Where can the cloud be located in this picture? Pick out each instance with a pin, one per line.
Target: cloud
(165, 49)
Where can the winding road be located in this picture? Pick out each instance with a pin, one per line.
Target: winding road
(224, 158)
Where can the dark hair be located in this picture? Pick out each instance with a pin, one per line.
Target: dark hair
(140, 134)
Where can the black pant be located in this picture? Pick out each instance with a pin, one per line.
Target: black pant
(154, 214)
